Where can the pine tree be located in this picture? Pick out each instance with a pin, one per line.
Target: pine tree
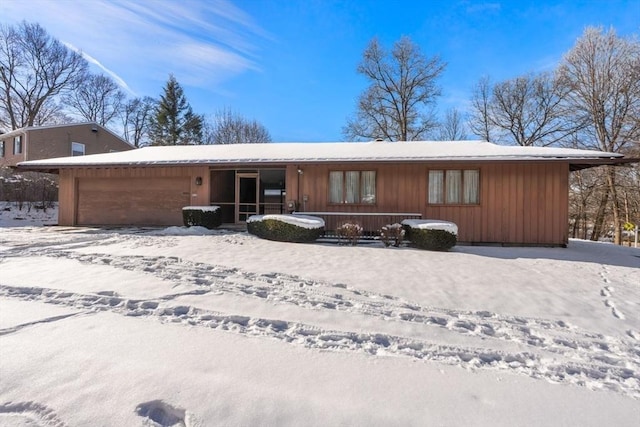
(173, 121)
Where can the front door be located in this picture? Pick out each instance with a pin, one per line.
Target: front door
(247, 196)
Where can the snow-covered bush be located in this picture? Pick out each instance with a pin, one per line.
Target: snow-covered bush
(204, 216)
(351, 231)
(286, 228)
(431, 234)
(392, 234)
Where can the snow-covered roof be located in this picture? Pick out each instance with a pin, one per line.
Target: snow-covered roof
(278, 153)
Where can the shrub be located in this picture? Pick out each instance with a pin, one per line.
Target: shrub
(351, 231)
(392, 234)
(431, 234)
(283, 228)
(203, 216)
(27, 187)
(433, 240)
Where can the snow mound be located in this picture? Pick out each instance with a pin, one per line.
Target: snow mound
(304, 221)
(202, 208)
(431, 224)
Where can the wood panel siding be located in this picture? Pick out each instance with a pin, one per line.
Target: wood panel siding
(521, 203)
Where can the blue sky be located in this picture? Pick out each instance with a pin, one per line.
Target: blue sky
(291, 64)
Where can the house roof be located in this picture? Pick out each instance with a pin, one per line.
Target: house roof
(338, 152)
(23, 130)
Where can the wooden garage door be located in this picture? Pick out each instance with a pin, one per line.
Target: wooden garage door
(132, 201)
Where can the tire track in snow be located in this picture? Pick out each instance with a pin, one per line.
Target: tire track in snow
(540, 334)
(557, 337)
(554, 336)
(595, 374)
(17, 328)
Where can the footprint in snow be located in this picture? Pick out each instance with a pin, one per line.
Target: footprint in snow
(28, 414)
(158, 413)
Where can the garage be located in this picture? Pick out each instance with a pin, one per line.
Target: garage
(132, 201)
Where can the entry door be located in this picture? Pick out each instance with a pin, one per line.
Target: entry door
(247, 196)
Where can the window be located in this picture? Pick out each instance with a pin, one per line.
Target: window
(17, 144)
(454, 187)
(1, 148)
(352, 187)
(77, 149)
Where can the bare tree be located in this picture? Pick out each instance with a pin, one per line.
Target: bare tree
(51, 113)
(452, 128)
(601, 72)
(228, 127)
(479, 118)
(135, 119)
(97, 99)
(527, 110)
(585, 190)
(398, 104)
(34, 67)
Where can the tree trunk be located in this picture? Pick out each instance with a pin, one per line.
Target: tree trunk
(611, 183)
(599, 219)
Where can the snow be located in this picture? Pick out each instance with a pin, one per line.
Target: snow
(158, 327)
(304, 221)
(12, 216)
(202, 208)
(431, 224)
(321, 151)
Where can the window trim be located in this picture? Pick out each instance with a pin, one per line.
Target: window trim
(78, 144)
(344, 183)
(444, 186)
(17, 143)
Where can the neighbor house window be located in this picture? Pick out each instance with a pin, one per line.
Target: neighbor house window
(17, 145)
(454, 187)
(77, 149)
(1, 148)
(352, 187)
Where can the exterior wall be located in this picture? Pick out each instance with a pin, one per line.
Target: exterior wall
(520, 202)
(10, 158)
(70, 178)
(55, 141)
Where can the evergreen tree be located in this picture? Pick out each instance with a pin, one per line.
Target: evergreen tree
(173, 121)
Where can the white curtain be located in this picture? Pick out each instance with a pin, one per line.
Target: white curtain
(436, 186)
(471, 187)
(454, 186)
(352, 186)
(368, 186)
(335, 187)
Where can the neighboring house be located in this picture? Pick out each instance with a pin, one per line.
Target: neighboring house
(44, 142)
(495, 194)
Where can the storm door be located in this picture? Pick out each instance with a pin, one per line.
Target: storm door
(247, 195)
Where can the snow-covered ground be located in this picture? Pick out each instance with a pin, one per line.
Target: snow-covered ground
(177, 326)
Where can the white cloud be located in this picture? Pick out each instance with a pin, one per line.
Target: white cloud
(97, 63)
(140, 43)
